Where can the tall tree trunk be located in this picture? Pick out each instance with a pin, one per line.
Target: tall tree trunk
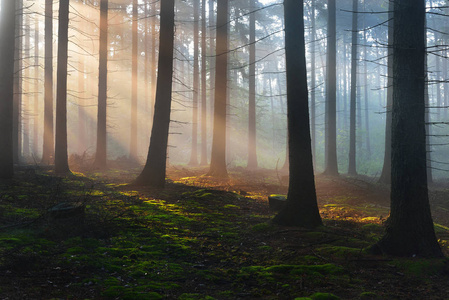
(218, 156)
(101, 153)
(331, 93)
(147, 101)
(154, 171)
(313, 82)
(48, 141)
(385, 176)
(352, 170)
(61, 156)
(212, 51)
(17, 129)
(365, 83)
(301, 208)
(252, 133)
(133, 134)
(153, 59)
(203, 86)
(194, 151)
(409, 230)
(26, 90)
(36, 88)
(82, 115)
(7, 36)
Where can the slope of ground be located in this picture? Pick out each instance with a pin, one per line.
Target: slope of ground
(202, 238)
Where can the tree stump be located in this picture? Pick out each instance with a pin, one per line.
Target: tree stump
(276, 202)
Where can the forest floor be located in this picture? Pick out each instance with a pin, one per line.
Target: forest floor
(202, 238)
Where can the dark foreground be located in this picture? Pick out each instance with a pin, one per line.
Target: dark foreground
(203, 239)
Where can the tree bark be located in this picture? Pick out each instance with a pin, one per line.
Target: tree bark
(194, 149)
(48, 141)
(218, 157)
(331, 93)
(385, 176)
(17, 111)
(154, 171)
(7, 36)
(301, 208)
(101, 153)
(409, 230)
(252, 133)
(61, 156)
(203, 86)
(36, 89)
(134, 71)
(313, 82)
(352, 170)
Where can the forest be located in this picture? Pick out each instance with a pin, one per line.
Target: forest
(224, 149)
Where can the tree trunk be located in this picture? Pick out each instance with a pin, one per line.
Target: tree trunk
(313, 82)
(409, 230)
(134, 67)
(61, 156)
(7, 36)
(36, 89)
(212, 51)
(48, 141)
(365, 83)
(17, 111)
(331, 93)
(203, 86)
(252, 147)
(194, 151)
(385, 176)
(101, 153)
(301, 208)
(26, 89)
(352, 170)
(218, 157)
(154, 171)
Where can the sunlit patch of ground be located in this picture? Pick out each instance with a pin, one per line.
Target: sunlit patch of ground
(203, 238)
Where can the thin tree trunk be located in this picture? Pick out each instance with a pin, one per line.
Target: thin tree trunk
(352, 170)
(48, 141)
(194, 151)
(212, 51)
(301, 208)
(218, 157)
(313, 83)
(26, 90)
(61, 155)
(154, 171)
(7, 36)
(331, 93)
(17, 111)
(252, 133)
(133, 134)
(203, 86)
(101, 153)
(367, 127)
(385, 176)
(36, 89)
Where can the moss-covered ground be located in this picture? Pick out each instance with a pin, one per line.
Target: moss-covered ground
(202, 238)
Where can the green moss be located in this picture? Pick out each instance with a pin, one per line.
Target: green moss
(303, 298)
(338, 251)
(422, 267)
(262, 227)
(324, 296)
(368, 295)
(192, 296)
(320, 270)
